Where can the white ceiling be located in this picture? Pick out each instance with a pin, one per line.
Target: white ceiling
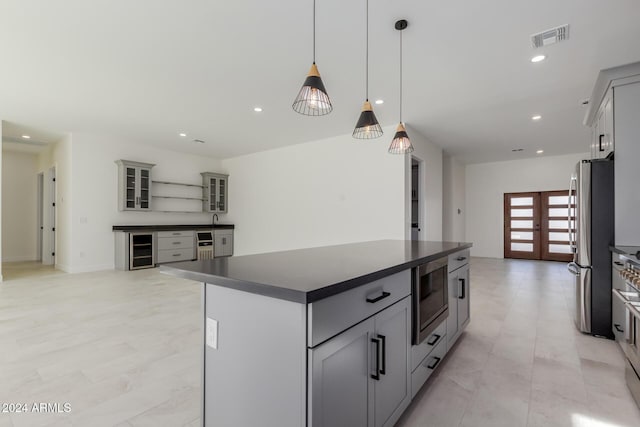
(147, 70)
(13, 138)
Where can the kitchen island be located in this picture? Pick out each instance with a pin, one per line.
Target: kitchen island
(320, 336)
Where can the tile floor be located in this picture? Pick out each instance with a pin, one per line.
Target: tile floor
(521, 362)
(123, 348)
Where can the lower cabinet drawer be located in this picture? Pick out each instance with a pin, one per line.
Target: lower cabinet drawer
(175, 255)
(180, 233)
(175, 243)
(422, 350)
(428, 365)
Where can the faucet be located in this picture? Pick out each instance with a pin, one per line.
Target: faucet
(213, 219)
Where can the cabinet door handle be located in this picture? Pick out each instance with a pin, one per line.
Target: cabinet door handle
(376, 376)
(600, 138)
(618, 263)
(462, 291)
(434, 341)
(381, 297)
(618, 328)
(176, 255)
(176, 243)
(435, 363)
(383, 368)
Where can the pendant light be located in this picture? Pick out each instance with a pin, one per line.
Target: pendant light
(367, 126)
(401, 143)
(312, 100)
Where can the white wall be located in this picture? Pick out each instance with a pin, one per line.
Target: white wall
(326, 192)
(486, 184)
(1, 203)
(19, 201)
(430, 186)
(95, 190)
(453, 199)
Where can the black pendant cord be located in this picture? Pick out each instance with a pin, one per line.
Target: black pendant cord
(400, 76)
(314, 31)
(367, 74)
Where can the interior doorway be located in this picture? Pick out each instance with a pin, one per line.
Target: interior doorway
(415, 198)
(536, 225)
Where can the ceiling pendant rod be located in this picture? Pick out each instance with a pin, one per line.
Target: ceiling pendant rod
(367, 126)
(401, 144)
(312, 99)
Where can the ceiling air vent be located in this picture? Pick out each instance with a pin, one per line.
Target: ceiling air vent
(551, 36)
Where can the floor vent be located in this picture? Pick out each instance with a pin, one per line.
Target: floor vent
(554, 35)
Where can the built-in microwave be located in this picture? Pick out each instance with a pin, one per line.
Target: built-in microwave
(430, 298)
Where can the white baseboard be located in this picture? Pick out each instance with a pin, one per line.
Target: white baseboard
(20, 258)
(91, 268)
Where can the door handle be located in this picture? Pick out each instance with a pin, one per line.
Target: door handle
(600, 138)
(383, 341)
(573, 268)
(381, 297)
(461, 294)
(376, 376)
(433, 342)
(435, 363)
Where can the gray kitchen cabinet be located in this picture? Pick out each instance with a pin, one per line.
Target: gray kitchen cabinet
(361, 377)
(612, 114)
(215, 193)
(459, 301)
(223, 243)
(340, 392)
(175, 246)
(134, 185)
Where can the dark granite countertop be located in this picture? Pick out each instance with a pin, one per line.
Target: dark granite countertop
(630, 252)
(308, 275)
(164, 227)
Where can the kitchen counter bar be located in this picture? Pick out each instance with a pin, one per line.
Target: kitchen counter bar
(308, 275)
(133, 228)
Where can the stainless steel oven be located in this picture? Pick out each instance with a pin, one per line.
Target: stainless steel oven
(430, 298)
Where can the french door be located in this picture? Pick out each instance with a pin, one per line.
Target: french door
(536, 225)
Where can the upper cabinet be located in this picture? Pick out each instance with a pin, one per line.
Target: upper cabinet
(602, 129)
(215, 192)
(134, 185)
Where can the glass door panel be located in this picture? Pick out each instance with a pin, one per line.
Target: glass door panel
(144, 188)
(522, 225)
(557, 215)
(131, 188)
(213, 185)
(222, 197)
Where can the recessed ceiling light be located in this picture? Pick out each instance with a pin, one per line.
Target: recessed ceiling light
(26, 136)
(379, 101)
(515, 150)
(539, 151)
(258, 109)
(182, 134)
(538, 58)
(536, 117)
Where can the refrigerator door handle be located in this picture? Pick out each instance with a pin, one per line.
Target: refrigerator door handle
(573, 268)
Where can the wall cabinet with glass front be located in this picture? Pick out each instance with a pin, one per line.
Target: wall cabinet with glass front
(215, 192)
(134, 185)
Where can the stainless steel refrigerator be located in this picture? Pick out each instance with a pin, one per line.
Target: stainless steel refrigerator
(591, 233)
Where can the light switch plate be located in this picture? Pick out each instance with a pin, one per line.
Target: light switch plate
(212, 333)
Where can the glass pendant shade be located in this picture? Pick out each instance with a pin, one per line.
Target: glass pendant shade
(312, 100)
(401, 143)
(367, 126)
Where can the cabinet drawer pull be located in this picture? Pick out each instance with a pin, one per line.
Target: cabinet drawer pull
(383, 368)
(381, 297)
(176, 243)
(376, 376)
(434, 341)
(618, 328)
(176, 255)
(176, 234)
(435, 363)
(600, 142)
(461, 258)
